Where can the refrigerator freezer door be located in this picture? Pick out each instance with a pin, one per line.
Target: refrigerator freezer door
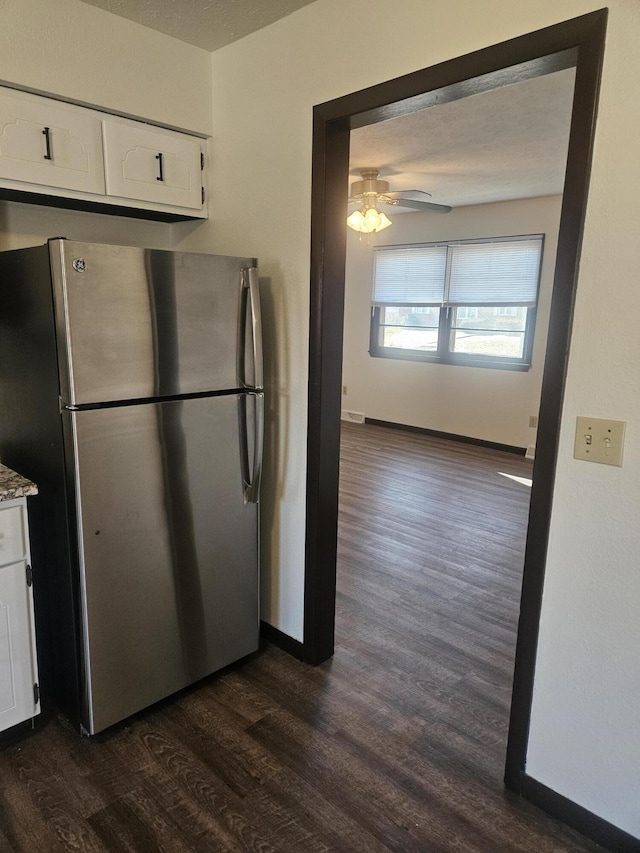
(143, 323)
(168, 549)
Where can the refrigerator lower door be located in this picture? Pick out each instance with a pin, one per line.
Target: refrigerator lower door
(168, 549)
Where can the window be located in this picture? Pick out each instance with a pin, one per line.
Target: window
(465, 302)
(467, 313)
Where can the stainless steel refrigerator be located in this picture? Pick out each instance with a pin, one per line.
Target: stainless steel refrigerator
(131, 393)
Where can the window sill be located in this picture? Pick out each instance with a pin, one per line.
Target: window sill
(454, 359)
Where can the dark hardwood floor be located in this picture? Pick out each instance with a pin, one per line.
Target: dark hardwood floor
(396, 744)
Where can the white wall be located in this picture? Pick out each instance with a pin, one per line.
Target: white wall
(446, 397)
(75, 51)
(584, 740)
(82, 53)
(24, 225)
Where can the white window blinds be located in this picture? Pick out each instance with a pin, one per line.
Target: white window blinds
(496, 273)
(503, 271)
(409, 275)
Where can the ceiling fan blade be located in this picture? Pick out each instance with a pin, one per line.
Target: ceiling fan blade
(421, 205)
(414, 194)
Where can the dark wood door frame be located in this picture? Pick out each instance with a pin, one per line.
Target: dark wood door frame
(578, 42)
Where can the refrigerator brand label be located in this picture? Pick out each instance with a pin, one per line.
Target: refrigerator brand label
(79, 265)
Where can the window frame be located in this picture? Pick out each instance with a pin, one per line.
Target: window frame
(443, 354)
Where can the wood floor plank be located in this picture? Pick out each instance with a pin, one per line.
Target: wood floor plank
(395, 745)
(50, 822)
(326, 823)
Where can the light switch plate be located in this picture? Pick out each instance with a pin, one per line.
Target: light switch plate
(599, 440)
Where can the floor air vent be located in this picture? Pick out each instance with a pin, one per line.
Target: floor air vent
(354, 417)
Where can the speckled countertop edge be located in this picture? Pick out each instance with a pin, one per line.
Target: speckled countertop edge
(14, 485)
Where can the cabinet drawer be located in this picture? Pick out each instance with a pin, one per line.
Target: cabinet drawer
(13, 546)
(151, 164)
(43, 141)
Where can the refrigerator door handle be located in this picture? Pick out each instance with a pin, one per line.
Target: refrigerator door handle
(251, 282)
(252, 488)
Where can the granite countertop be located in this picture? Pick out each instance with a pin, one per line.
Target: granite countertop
(13, 485)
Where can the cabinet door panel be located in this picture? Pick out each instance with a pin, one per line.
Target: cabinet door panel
(45, 142)
(12, 538)
(151, 164)
(17, 653)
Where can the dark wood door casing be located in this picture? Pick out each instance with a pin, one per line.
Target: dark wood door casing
(578, 42)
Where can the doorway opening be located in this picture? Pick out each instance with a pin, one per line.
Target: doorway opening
(576, 43)
(431, 531)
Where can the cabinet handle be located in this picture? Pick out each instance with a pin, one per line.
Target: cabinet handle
(159, 159)
(47, 142)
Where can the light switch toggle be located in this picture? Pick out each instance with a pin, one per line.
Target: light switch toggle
(599, 440)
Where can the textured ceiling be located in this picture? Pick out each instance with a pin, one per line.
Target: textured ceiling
(206, 23)
(503, 144)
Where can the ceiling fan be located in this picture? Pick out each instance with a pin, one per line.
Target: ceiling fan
(370, 192)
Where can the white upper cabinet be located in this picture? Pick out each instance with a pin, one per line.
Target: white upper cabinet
(47, 142)
(151, 164)
(72, 156)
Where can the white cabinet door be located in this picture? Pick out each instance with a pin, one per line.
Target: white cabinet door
(13, 540)
(18, 663)
(151, 164)
(46, 142)
(18, 669)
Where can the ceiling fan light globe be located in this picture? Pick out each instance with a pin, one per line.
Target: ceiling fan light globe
(368, 220)
(356, 220)
(372, 220)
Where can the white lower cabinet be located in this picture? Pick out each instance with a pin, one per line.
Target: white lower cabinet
(19, 693)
